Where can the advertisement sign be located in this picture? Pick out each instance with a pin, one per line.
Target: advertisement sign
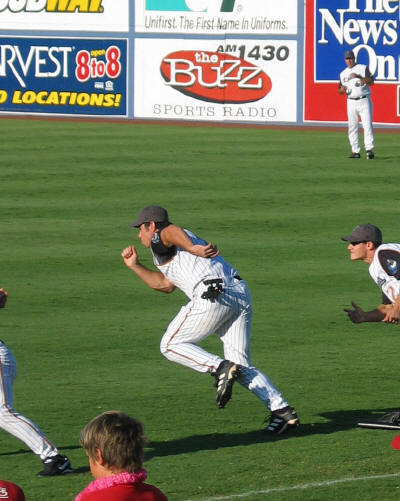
(65, 15)
(370, 28)
(62, 75)
(210, 17)
(238, 80)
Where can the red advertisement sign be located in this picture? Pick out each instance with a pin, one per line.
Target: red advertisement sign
(215, 76)
(370, 29)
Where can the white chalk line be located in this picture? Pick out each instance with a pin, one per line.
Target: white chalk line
(310, 485)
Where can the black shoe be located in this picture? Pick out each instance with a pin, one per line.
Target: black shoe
(389, 421)
(225, 376)
(55, 465)
(370, 155)
(282, 420)
(355, 155)
(392, 417)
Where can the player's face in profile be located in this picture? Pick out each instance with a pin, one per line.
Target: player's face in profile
(357, 250)
(145, 235)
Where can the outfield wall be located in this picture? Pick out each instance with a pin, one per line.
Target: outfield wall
(212, 60)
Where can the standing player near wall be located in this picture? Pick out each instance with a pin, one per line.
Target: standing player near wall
(355, 82)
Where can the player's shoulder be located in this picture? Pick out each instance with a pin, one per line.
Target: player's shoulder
(360, 68)
(388, 257)
(388, 247)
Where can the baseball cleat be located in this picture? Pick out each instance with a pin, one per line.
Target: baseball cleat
(225, 376)
(389, 421)
(355, 155)
(370, 155)
(55, 465)
(282, 420)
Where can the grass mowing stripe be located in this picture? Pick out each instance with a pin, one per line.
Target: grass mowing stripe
(86, 333)
(299, 487)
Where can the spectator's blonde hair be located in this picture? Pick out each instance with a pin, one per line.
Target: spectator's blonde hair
(118, 437)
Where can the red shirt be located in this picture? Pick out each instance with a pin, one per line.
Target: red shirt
(121, 487)
(127, 492)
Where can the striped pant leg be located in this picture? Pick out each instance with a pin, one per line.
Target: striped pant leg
(194, 322)
(353, 125)
(235, 335)
(365, 111)
(11, 421)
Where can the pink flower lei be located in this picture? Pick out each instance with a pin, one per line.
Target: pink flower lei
(118, 479)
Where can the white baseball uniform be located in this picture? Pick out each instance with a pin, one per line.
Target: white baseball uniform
(359, 105)
(10, 420)
(229, 316)
(385, 270)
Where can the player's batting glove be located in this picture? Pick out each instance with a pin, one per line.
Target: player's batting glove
(3, 298)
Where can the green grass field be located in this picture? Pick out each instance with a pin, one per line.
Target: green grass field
(85, 331)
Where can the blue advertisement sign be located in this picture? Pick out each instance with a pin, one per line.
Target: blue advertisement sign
(63, 76)
(368, 27)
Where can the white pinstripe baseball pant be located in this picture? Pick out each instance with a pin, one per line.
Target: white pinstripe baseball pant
(10, 420)
(360, 108)
(230, 318)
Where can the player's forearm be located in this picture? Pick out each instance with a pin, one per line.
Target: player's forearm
(367, 80)
(153, 279)
(396, 304)
(373, 316)
(378, 314)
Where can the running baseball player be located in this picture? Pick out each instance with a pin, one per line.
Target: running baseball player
(19, 426)
(219, 302)
(365, 244)
(355, 82)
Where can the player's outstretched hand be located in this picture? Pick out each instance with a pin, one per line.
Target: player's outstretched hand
(130, 257)
(356, 315)
(3, 297)
(209, 250)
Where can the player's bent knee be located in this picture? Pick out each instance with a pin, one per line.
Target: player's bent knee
(167, 352)
(164, 349)
(7, 415)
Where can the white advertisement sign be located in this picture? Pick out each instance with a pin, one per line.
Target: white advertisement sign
(210, 17)
(216, 80)
(65, 15)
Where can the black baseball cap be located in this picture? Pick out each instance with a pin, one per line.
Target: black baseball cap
(349, 54)
(364, 233)
(151, 213)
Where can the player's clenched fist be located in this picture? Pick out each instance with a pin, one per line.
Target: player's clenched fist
(129, 255)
